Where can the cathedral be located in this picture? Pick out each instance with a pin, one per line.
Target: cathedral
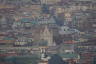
(47, 35)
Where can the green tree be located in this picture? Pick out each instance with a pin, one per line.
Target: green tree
(2, 59)
(45, 9)
(36, 1)
(94, 60)
(23, 59)
(56, 59)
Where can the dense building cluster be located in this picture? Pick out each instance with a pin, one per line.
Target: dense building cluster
(47, 27)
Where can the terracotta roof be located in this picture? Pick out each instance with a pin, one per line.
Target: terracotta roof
(6, 41)
(70, 42)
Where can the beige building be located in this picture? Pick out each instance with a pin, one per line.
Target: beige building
(43, 62)
(6, 6)
(47, 36)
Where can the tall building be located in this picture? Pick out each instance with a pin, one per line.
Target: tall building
(47, 36)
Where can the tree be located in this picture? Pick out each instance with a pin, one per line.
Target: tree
(2, 58)
(23, 59)
(43, 43)
(58, 40)
(35, 1)
(56, 59)
(94, 60)
(59, 21)
(45, 9)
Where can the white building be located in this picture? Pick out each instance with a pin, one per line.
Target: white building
(66, 30)
(23, 41)
(49, 1)
(47, 21)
